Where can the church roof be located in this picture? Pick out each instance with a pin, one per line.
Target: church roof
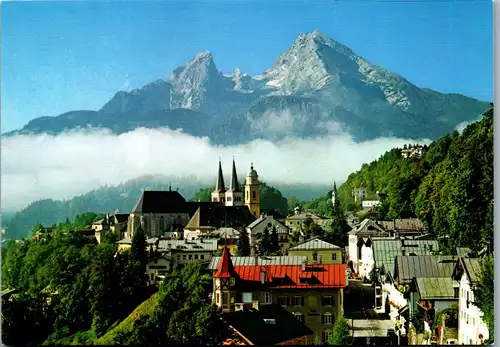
(234, 187)
(226, 268)
(159, 201)
(217, 216)
(219, 186)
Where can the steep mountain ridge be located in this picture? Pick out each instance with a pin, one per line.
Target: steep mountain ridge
(316, 87)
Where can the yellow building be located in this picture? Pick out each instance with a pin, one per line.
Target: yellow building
(252, 192)
(318, 251)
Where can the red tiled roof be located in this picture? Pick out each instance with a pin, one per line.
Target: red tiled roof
(328, 275)
(226, 268)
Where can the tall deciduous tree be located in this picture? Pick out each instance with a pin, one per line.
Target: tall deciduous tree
(274, 241)
(484, 295)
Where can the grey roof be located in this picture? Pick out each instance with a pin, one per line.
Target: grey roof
(385, 250)
(282, 228)
(435, 288)
(463, 251)
(472, 268)
(314, 244)
(202, 244)
(409, 267)
(250, 261)
(303, 215)
(403, 225)
(226, 233)
(125, 241)
(368, 228)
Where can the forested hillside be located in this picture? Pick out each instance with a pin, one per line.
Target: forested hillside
(450, 188)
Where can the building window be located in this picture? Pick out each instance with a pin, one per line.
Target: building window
(190, 257)
(299, 316)
(298, 301)
(217, 298)
(202, 256)
(225, 299)
(315, 256)
(267, 298)
(327, 335)
(247, 298)
(178, 257)
(327, 318)
(253, 193)
(327, 301)
(184, 257)
(196, 256)
(334, 256)
(283, 300)
(228, 198)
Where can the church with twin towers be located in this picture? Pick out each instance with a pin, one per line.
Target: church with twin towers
(236, 195)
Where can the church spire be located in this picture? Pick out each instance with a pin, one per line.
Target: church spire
(219, 187)
(234, 187)
(225, 268)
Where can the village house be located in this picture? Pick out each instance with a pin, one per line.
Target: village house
(186, 251)
(256, 229)
(297, 219)
(372, 201)
(318, 251)
(384, 258)
(413, 152)
(313, 293)
(158, 267)
(359, 194)
(361, 237)
(411, 271)
(265, 325)
(472, 328)
(209, 218)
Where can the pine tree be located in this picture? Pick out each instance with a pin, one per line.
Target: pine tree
(243, 244)
(265, 242)
(341, 335)
(339, 226)
(274, 241)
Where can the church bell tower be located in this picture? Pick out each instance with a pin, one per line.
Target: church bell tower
(219, 193)
(252, 192)
(234, 195)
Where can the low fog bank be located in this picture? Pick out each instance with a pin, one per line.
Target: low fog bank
(35, 167)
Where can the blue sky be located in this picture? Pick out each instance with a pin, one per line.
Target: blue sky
(62, 56)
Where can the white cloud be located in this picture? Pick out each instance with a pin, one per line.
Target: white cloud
(58, 167)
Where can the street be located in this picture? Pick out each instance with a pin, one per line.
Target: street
(363, 320)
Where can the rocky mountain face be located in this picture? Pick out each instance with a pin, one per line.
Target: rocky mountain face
(317, 87)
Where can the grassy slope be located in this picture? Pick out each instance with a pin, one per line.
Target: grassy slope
(128, 324)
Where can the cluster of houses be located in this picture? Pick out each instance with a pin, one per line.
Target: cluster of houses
(295, 296)
(412, 278)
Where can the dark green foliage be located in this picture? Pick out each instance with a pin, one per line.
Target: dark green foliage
(484, 295)
(182, 314)
(265, 242)
(450, 188)
(339, 226)
(243, 244)
(274, 241)
(271, 199)
(203, 195)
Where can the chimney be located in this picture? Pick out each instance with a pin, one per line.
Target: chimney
(303, 266)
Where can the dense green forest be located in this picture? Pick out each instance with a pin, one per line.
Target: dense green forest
(69, 290)
(450, 188)
(123, 198)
